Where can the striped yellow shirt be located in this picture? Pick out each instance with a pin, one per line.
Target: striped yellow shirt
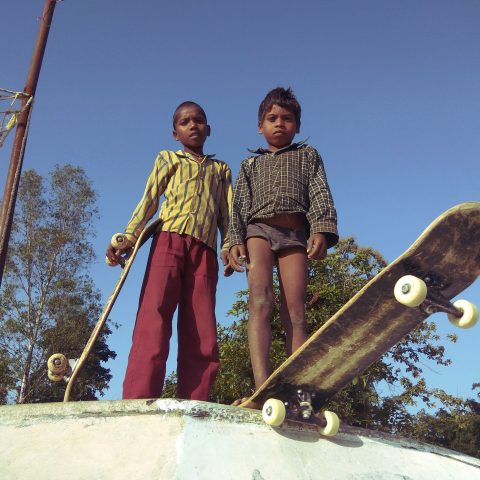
(197, 201)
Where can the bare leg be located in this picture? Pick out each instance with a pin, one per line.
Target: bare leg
(260, 306)
(292, 272)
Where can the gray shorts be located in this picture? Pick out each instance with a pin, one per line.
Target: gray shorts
(279, 238)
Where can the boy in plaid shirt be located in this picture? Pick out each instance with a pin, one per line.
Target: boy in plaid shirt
(283, 213)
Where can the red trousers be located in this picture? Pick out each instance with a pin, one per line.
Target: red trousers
(181, 271)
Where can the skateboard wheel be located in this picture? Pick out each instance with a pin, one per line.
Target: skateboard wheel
(469, 317)
(57, 364)
(332, 426)
(410, 291)
(54, 378)
(118, 241)
(273, 412)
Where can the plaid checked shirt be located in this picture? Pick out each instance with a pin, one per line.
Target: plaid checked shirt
(197, 201)
(291, 180)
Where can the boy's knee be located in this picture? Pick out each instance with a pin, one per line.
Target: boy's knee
(297, 317)
(261, 302)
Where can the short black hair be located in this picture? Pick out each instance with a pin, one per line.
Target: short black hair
(188, 103)
(283, 97)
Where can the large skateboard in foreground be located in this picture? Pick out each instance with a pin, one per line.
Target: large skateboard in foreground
(59, 367)
(442, 262)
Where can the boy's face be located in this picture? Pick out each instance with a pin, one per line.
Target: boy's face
(191, 128)
(278, 127)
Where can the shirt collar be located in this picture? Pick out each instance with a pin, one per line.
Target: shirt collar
(292, 146)
(181, 153)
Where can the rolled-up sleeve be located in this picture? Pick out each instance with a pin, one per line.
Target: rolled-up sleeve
(224, 210)
(148, 205)
(241, 205)
(322, 215)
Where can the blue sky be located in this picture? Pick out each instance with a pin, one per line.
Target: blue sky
(390, 93)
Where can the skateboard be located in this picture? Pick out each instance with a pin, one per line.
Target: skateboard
(440, 264)
(61, 368)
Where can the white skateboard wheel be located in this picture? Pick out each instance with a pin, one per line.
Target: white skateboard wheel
(332, 426)
(118, 241)
(410, 291)
(273, 412)
(57, 364)
(469, 317)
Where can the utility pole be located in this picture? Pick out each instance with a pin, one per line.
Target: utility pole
(20, 139)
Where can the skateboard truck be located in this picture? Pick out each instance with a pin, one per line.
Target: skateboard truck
(60, 368)
(425, 293)
(118, 240)
(300, 405)
(299, 409)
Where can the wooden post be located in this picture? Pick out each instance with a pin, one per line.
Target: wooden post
(19, 142)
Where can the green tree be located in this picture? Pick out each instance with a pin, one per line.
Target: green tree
(7, 380)
(455, 425)
(48, 302)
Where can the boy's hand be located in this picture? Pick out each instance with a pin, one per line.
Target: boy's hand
(317, 246)
(115, 254)
(238, 257)
(225, 256)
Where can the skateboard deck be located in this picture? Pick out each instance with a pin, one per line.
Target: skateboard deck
(57, 364)
(446, 257)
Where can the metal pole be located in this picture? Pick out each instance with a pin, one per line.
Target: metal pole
(16, 158)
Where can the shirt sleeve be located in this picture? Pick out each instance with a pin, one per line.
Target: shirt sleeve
(241, 205)
(225, 209)
(322, 215)
(148, 205)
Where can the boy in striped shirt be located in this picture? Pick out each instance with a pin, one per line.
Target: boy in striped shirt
(182, 268)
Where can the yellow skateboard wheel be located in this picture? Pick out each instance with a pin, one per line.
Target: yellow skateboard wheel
(332, 424)
(469, 317)
(273, 412)
(57, 364)
(118, 241)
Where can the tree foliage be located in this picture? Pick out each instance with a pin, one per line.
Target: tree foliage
(48, 301)
(455, 425)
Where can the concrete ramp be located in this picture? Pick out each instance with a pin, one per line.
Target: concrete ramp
(189, 440)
